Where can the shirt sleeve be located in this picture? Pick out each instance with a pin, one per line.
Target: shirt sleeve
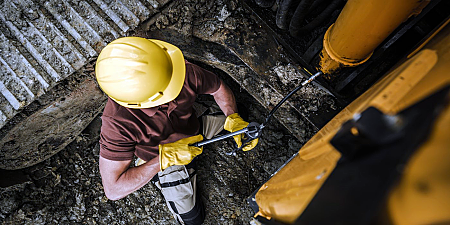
(203, 81)
(116, 143)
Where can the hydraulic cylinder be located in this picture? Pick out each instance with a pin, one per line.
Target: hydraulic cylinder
(361, 26)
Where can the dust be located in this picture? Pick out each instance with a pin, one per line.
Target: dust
(287, 74)
(310, 97)
(67, 187)
(224, 14)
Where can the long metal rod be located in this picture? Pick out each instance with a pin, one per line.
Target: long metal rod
(201, 143)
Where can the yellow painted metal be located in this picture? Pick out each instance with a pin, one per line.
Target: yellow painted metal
(285, 196)
(360, 28)
(429, 38)
(423, 193)
(287, 193)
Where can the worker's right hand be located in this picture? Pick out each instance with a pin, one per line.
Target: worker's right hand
(235, 123)
(179, 152)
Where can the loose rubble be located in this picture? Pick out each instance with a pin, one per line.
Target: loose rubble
(67, 189)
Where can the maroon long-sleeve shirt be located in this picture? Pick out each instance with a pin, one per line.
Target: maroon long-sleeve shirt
(127, 132)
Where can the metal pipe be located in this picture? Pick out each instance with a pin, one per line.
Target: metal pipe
(201, 143)
(254, 129)
(360, 28)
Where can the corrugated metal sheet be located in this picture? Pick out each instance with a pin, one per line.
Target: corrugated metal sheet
(43, 42)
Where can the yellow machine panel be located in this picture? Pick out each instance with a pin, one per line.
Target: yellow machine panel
(422, 196)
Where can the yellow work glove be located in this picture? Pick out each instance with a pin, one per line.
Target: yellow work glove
(234, 123)
(179, 152)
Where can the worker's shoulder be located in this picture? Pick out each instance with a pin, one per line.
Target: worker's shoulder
(194, 71)
(192, 68)
(113, 109)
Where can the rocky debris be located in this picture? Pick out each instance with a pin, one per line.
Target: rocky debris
(66, 188)
(224, 38)
(252, 54)
(307, 100)
(262, 91)
(229, 24)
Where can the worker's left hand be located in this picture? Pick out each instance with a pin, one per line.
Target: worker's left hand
(234, 123)
(179, 152)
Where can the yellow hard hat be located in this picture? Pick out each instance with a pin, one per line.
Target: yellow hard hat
(140, 73)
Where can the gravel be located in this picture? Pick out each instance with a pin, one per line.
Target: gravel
(67, 189)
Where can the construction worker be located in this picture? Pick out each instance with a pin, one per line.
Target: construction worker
(149, 117)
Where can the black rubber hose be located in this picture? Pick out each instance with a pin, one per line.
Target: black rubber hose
(299, 15)
(282, 12)
(297, 30)
(316, 4)
(309, 80)
(265, 3)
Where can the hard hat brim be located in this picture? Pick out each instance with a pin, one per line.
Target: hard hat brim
(175, 85)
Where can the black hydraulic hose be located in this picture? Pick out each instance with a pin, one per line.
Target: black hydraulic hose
(282, 12)
(315, 4)
(296, 30)
(288, 96)
(253, 130)
(300, 14)
(265, 3)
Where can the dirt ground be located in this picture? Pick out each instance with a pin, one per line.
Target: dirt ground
(67, 188)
